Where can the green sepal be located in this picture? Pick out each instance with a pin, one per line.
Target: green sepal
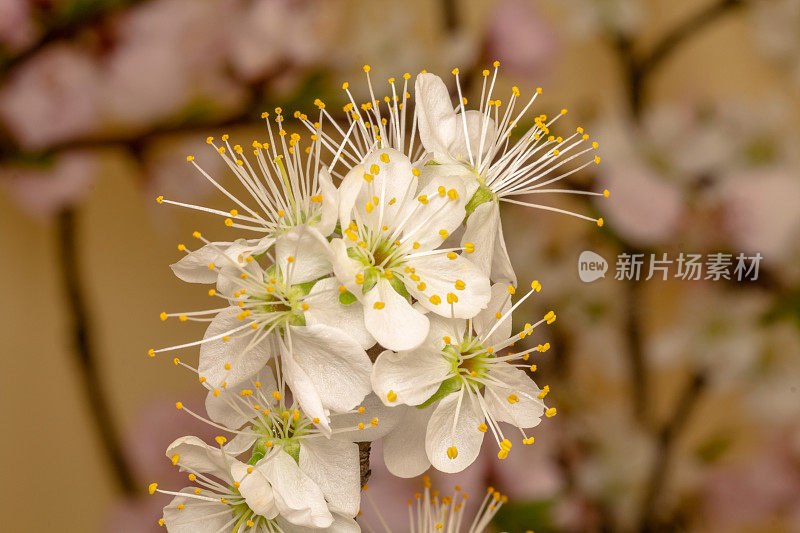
(347, 298)
(259, 451)
(399, 287)
(370, 279)
(482, 195)
(431, 162)
(292, 447)
(448, 386)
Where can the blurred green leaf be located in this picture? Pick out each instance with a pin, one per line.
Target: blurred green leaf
(518, 517)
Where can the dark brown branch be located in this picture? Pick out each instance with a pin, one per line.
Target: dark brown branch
(667, 438)
(635, 349)
(639, 69)
(85, 354)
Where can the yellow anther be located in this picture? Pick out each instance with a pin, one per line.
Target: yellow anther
(220, 440)
(469, 247)
(276, 395)
(498, 315)
(452, 194)
(391, 396)
(606, 193)
(159, 199)
(451, 255)
(181, 247)
(435, 300)
(423, 199)
(454, 71)
(452, 452)
(421, 285)
(378, 305)
(290, 259)
(416, 172)
(163, 316)
(175, 459)
(367, 68)
(452, 298)
(342, 289)
(600, 222)
(512, 398)
(511, 289)
(536, 286)
(228, 222)
(385, 157)
(178, 405)
(482, 428)
(151, 488)
(151, 352)
(361, 410)
(361, 425)
(374, 422)
(196, 234)
(176, 361)
(544, 392)
(550, 413)
(533, 368)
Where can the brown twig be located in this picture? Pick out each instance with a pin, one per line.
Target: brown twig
(667, 437)
(85, 355)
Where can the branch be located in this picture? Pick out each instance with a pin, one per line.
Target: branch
(85, 355)
(66, 27)
(666, 446)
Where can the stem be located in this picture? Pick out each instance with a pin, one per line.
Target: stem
(85, 355)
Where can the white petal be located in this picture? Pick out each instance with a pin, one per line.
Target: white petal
(475, 125)
(388, 418)
(309, 252)
(225, 408)
(396, 325)
(348, 192)
(194, 455)
(244, 356)
(528, 411)
(256, 489)
(329, 212)
(440, 275)
(335, 363)
(459, 170)
(413, 375)
(303, 389)
(394, 186)
(485, 232)
(341, 524)
(439, 214)
(334, 467)
(404, 448)
(193, 268)
(500, 302)
(442, 327)
(239, 444)
(325, 308)
(345, 267)
(298, 498)
(196, 516)
(454, 423)
(436, 118)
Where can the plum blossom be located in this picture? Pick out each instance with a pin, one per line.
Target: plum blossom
(458, 387)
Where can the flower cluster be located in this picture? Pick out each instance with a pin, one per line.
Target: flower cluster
(367, 294)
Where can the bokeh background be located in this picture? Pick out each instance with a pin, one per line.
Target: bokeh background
(678, 400)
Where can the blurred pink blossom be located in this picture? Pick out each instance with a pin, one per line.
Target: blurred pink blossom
(757, 493)
(760, 211)
(44, 191)
(153, 73)
(271, 33)
(16, 27)
(52, 98)
(522, 38)
(642, 207)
